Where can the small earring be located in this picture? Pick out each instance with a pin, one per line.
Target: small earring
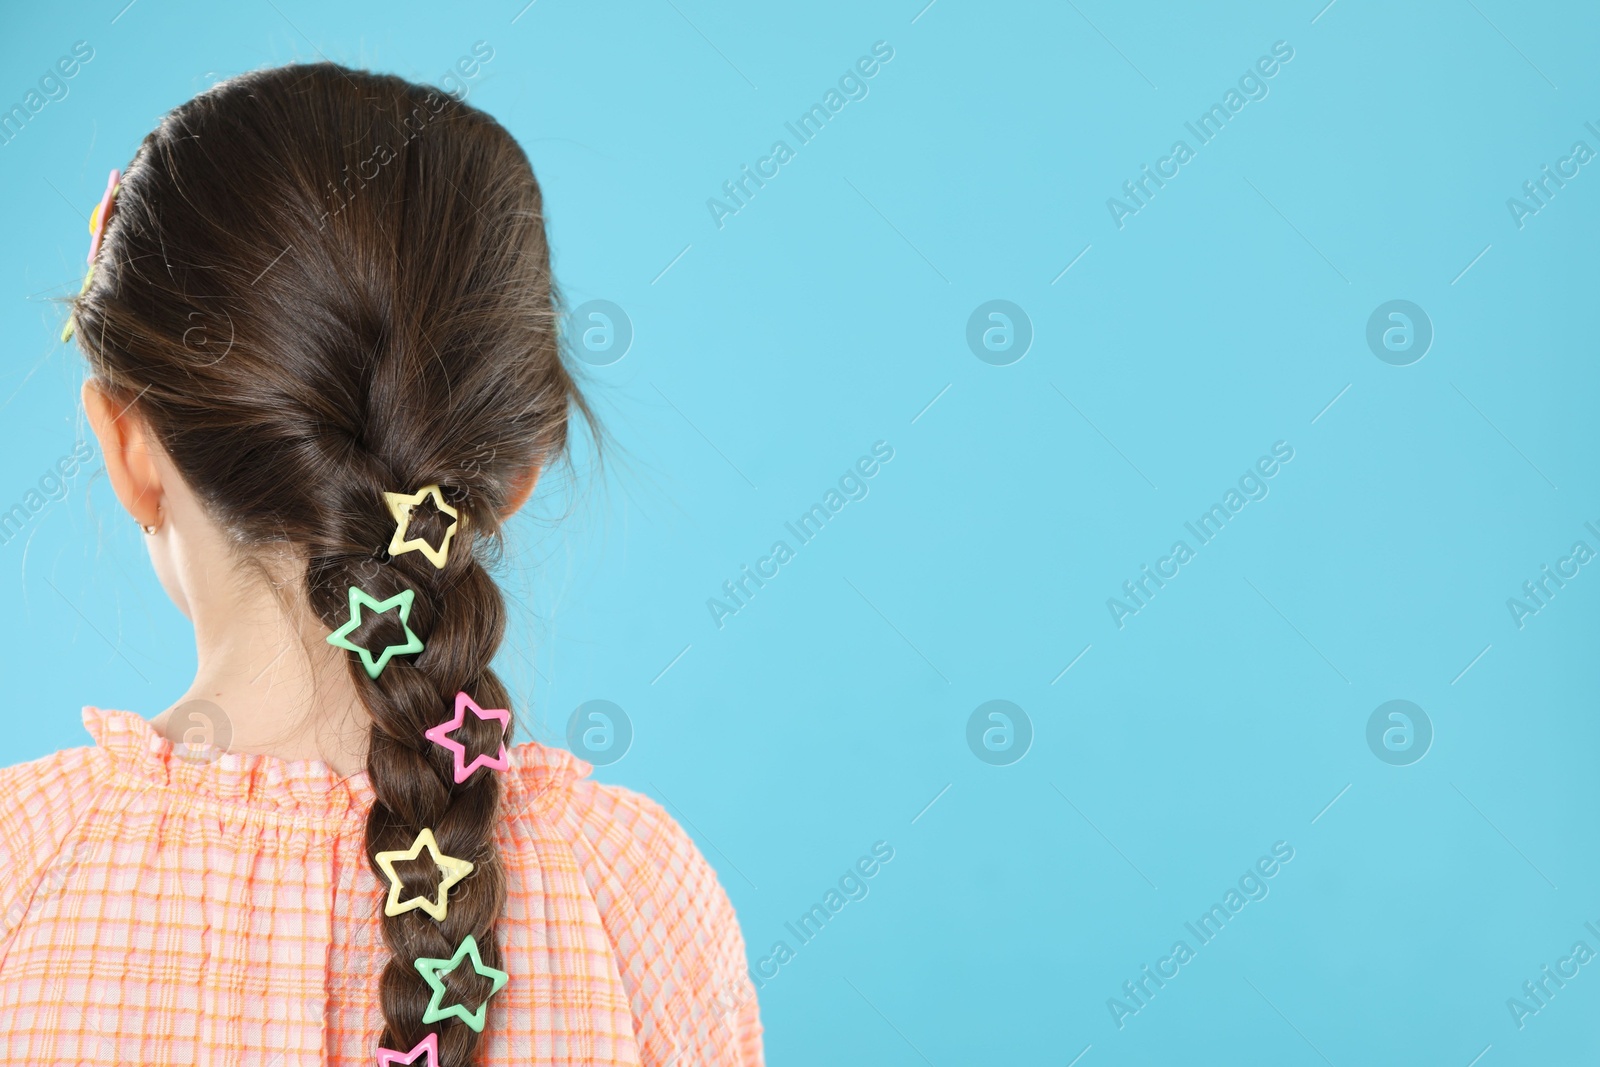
(148, 530)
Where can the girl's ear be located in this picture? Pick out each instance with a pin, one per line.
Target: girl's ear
(128, 447)
(521, 490)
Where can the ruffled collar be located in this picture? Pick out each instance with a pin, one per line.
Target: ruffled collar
(308, 791)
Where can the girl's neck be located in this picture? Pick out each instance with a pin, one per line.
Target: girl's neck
(276, 687)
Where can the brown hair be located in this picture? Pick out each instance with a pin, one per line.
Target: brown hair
(319, 285)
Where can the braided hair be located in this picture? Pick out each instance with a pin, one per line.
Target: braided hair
(320, 285)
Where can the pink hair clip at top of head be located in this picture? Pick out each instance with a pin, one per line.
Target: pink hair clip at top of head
(440, 735)
(428, 1046)
(102, 213)
(98, 221)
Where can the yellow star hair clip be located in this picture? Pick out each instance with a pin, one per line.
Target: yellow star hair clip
(400, 505)
(451, 871)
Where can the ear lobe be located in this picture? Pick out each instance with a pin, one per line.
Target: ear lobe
(521, 490)
(127, 445)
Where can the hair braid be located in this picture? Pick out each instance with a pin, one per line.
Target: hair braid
(366, 263)
(460, 615)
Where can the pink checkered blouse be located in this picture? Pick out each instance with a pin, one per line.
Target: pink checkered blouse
(158, 910)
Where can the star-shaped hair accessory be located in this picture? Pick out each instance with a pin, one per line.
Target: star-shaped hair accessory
(400, 505)
(428, 1045)
(440, 735)
(451, 871)
(360, 599)
(431, 969)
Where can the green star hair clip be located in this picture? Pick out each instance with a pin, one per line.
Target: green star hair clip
(431, 968)
(359, 600)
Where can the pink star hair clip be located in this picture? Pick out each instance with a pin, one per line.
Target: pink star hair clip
(440, 735)
(97, 229)
(428, 1046)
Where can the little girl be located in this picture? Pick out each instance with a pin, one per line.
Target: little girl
(325, 369)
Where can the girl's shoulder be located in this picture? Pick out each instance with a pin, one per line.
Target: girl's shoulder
(46, 794)
(630, 865)
(41, 802)
(636, 857)
(679, 949)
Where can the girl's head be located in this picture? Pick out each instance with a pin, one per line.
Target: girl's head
(319, 286)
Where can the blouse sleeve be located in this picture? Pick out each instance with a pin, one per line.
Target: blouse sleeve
(678, 944)
(40, 804)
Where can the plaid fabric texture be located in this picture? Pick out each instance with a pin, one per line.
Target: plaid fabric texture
(158, 910)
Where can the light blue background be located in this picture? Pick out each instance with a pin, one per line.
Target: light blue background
(824, 317)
